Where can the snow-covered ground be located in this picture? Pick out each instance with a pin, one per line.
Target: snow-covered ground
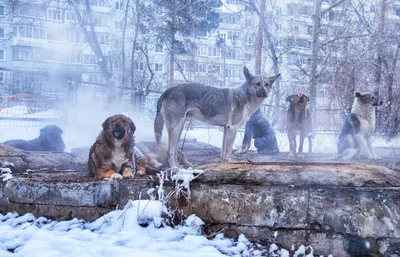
(118, 233)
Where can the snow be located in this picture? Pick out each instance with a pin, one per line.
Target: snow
(5, 173)
(119, 233)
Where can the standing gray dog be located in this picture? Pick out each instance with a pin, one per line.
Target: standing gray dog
(226, 107)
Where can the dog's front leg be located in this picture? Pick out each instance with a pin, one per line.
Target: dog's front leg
(227, 144)
(248, 135)
(371, 149)
(363, 146)
(127, 170)
(106, 171)
(301, 143)
(292, 143)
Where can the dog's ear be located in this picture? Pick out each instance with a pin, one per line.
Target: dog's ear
(357, 94)
(273, 78)
(289, 98)
(106, 123)
(247, 74)
(132, 126)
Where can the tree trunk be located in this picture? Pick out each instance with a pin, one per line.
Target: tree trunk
(259, 43)
(91, 38)
(133, 56)
(392, 104)
(171, 60)
(378, 44)
(123, 77)
(316, 19)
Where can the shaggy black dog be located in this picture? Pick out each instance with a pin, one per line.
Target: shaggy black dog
(49, 140)
(259, 128)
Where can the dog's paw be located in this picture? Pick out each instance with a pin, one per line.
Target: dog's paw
(141, 172)
(375, 157)
(116, 176)
(240, 151)
(291, 155)
(127, 173)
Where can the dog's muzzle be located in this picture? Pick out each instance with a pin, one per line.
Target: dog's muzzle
(118, 131)
(378, 103)
(262, 94)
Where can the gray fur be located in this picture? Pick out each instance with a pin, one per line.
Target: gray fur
(355, 137)
(226, 107)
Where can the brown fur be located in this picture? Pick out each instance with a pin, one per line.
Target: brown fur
(156, 158)
(112, 153)
(298, 120)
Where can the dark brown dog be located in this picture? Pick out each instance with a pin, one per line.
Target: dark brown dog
(298, 120)
(49, 140)
(112, 153)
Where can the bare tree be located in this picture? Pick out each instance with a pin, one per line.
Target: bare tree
(87, 24)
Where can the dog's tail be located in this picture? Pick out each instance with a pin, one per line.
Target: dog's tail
(159, 121)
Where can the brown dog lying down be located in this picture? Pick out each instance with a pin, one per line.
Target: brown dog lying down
(151, 159)
(112, 153)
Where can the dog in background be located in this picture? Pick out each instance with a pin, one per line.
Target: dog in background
(49, 140)
(229, 108)
(155, 159)
(113, 152)
(259, 128)
(298, 121)
(355, 137)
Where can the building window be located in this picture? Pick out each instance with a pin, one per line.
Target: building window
(159, 67)
(70, 16)
(1, 76)
(95, 78)
(31, 32)
(296, 28)
(229, 73)
(201, 68)
(247, 57)
(232, 1)
(249, 40)
(118, 43)
(1, 10)
(213, 51)
(159, 48)
(104, 39)
(233, 35)
(89, 59)
(54, 14)
(139, 66)
(119, 5)
(2, 55)
(231, 54)
(119, 25)
(73, 37)
(1, 32)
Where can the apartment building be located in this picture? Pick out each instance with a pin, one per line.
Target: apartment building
(43, 49)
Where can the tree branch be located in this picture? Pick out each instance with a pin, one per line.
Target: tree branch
(331, 7)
